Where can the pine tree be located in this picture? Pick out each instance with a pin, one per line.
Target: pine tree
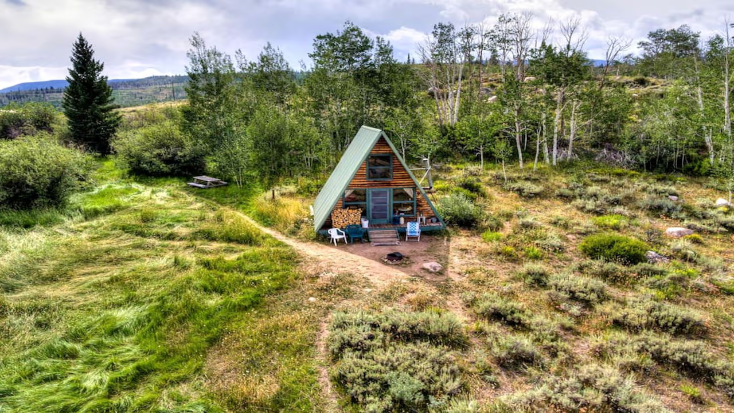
(88, 103)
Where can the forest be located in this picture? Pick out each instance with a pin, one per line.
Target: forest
(586, 265)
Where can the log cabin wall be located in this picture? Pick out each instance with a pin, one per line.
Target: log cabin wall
(400, 179)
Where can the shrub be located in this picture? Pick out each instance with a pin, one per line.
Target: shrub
(515, 353)
(533, 253)
(26, 120)
(613, 247)
(611, 221)
(524, 189)
(491, 236)
(584, 289)
(472, 185)
(694, 238)
(662, 206)
(396, 360)
(460, 211)
(38, 172)
(647, 314)
(494, 222)
(534, 274)
(591, 388)
(493, 307)
(159, 150)
(551, 243)
(607, 271)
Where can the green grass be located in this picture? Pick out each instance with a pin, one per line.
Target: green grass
(122, 307)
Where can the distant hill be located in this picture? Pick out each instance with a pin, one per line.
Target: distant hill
(47, 84)
(127, 92)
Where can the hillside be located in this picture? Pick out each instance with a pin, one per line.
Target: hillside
(127, 92)
(168, 297)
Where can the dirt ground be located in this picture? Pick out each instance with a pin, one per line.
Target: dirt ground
(431, 248)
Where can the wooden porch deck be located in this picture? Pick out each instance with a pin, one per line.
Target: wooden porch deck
(427, 227)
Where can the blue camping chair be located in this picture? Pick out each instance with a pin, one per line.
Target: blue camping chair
(413, 230)
(355, 231)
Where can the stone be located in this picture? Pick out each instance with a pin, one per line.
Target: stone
(312, 299)
(433, 267)
(677, 232)
(672, 197)
(722, 202)
(655, 258)
(571, 237)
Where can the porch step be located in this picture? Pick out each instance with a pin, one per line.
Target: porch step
(384, 237)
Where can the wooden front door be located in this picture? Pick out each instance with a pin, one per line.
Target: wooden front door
(379, 203)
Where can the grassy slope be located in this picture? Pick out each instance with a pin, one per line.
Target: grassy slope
(126, 303)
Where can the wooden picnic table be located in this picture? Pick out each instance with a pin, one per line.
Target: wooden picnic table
(205, 182)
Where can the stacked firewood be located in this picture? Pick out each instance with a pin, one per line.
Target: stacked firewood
(340, 218)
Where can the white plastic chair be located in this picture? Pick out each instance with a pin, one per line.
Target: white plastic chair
(336, 234)
(413, 230)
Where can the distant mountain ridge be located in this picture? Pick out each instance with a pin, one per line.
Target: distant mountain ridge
(61, 84)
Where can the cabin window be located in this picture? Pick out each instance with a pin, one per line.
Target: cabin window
(355, 198)
(379, 167)
(403, 201)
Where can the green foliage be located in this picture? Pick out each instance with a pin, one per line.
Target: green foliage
(26, 120)
(494, 307)
(592, 388)
(491, 236)
(159, 150)
(615, 222)
(588, 290)
(514, 353)
(534, 274)
(614, 247)
(460, 211)
(472, 185)
(396, 360)
(525, 189)
(645, 313)
(533, 253)
(88, 102)
(37, 172)
(662, 206)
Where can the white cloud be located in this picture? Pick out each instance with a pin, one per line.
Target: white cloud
(36, 35)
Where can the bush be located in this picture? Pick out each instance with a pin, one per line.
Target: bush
(588, 290)
(644, 314)
(159, 150)
(611, 221)
(515, 353)
(491, 236)
(460, 211)
(37, 172)
(472, 185)
(493, 307)
(524, 189)
(533, 253)
(620, 248)
(592, 388)
(662, 206)
(396, 361)
(551, 243)
(608, 271)
(534, 275)
(26, 120)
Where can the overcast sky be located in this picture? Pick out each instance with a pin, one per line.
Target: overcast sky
(139, 38)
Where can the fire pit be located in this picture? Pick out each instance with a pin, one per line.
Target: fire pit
(394, 258)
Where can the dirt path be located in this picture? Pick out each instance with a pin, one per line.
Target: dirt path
(336, 261)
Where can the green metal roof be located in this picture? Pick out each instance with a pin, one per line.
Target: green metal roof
(347, 167)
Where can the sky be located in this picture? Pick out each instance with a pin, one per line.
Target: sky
(140, 38)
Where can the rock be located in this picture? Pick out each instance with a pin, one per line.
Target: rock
(368, 290)
(530, 79)
(722, 202)
(677, 232)
(433, 267)
(492, 99)
(672, 197)
(655, 258)
(311, 299)
(571, 237)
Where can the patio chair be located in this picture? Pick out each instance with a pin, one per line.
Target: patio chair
(336, 234)
(413, 230)
(355, 231)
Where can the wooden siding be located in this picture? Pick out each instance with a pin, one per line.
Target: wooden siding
(400, 179)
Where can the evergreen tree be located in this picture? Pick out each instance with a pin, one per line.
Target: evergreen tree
(88, 102)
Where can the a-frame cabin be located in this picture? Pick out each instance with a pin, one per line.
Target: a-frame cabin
(372, 177)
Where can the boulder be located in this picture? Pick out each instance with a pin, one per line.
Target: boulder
(672, 197)
(433, 267)
(655, 258)
(677, 232)
(311, 299)
(722, 202)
